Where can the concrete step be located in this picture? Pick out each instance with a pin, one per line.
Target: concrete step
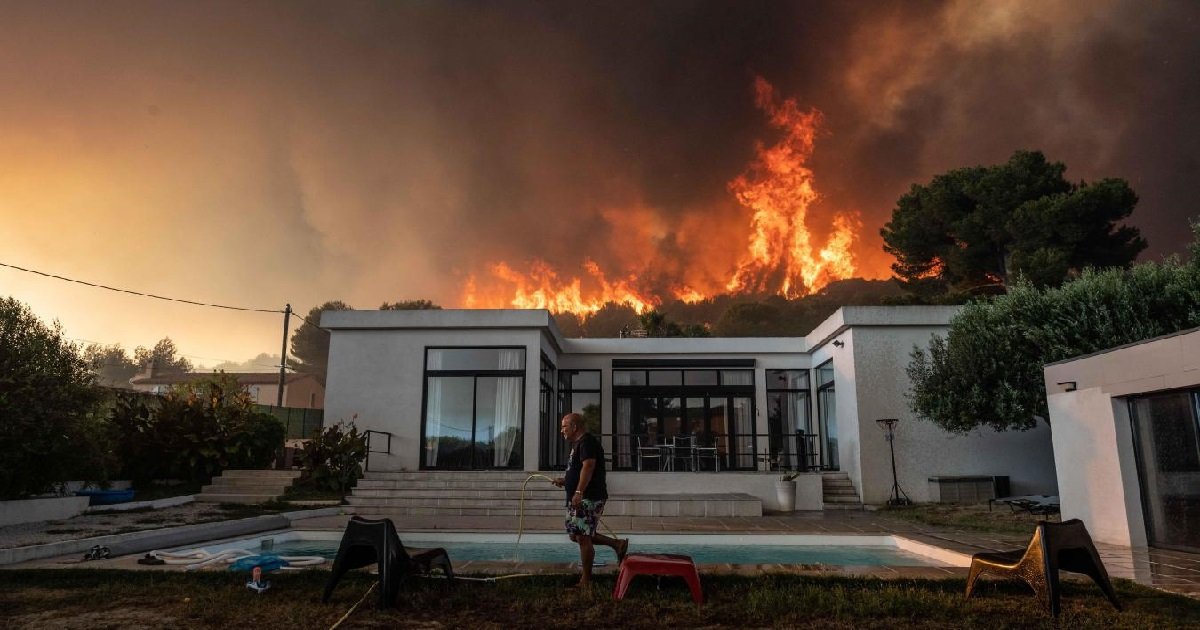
(451, 502)
(235, 498)
(272, 490)
(840, 492)
(263, 474)
(444, 511)
(472, 475)
(491, 494)
(249, 482)
(843, 506)
(537, 484)
(842, 498)
(836, 483)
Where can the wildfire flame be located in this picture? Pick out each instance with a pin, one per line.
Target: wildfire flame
(780, 257)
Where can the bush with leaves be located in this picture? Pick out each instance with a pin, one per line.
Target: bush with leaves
(197, 430)
(333, 457)
(48, 405)
(988, 369)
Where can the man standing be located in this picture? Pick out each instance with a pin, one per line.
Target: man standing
(586, 494)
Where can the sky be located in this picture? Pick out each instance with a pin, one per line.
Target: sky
(255, 154)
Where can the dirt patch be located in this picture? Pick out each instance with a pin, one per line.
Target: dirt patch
(125, 618)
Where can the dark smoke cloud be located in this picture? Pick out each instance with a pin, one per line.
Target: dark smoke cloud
(383, 151)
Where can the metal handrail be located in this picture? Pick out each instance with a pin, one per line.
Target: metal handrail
(368, 433)
(796, 451)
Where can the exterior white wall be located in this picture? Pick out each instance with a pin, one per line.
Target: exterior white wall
(378, 376)
(1093, 434)
(760, 485)
(876, 383)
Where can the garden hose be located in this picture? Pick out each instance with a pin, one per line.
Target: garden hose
(521, 512)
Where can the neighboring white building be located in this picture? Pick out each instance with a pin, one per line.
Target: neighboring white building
(1127, 441)
(484, 389)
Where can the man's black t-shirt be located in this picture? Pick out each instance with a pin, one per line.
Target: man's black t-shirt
(588, 447)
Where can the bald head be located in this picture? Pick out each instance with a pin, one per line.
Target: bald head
(572, 426)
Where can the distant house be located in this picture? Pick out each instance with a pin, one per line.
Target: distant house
(302, 391)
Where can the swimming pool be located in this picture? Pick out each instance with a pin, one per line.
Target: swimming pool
(795, 549)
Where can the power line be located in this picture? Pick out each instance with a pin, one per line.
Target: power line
(149, 295)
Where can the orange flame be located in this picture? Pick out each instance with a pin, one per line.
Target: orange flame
(779, 189)
(780, 256)
(541, 288)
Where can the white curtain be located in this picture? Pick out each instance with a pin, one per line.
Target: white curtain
(433, 410)
(624, 426)
(508, 408)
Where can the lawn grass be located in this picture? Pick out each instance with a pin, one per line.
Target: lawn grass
(970, 517)
(74, 598)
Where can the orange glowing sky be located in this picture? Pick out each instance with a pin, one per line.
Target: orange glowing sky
(256, 154)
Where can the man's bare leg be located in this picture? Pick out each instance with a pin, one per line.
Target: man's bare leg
(587, 553)
(619, 545)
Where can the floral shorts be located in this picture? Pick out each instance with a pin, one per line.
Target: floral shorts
(584, 519)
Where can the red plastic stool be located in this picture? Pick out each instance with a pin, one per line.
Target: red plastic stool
(658, 564)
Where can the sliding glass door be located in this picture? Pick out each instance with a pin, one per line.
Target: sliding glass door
(1166, 431)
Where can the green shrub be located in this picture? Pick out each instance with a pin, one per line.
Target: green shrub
(333, 457)
(197, 430)
(48, 405)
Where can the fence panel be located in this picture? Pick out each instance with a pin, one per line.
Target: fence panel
(300, 423)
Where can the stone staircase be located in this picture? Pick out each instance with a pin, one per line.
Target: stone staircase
(839, 493)
(247, 486)
(498, 493)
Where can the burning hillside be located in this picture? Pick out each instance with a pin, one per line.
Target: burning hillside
(694, 261)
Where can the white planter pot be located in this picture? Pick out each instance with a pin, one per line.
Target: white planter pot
(785, 491)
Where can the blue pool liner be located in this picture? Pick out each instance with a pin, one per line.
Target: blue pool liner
(106, 497)
(267, 562)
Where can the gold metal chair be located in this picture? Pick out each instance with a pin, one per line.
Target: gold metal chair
(1054, 546)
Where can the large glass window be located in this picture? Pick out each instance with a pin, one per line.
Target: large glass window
(827, 410)
(578, 392)
(712, 407)
(1166, 431)
(788, 423)
(474, 403)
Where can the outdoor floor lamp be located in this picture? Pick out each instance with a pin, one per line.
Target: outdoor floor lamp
(889, 425)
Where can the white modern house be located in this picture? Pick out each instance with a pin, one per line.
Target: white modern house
(485, 389)
(1127, 441)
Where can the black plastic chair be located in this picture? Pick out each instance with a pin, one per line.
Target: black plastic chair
(368, 541)
(1054, 546)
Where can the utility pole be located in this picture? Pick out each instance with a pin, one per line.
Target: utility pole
(287, 314)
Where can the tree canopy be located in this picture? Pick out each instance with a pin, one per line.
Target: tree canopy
(988, 369)
(112, 364)
(165, 357)
(310, 344)
(410, 305)
(983, 226)
(47, 405)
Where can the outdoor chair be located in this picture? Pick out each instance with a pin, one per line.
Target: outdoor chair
(683, 450)
(1054, 546)
(649, 451)
(702, 451)
(369, 541)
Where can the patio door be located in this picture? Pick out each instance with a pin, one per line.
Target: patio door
(1166, 431)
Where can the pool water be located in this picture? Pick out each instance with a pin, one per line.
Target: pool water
(565, 552)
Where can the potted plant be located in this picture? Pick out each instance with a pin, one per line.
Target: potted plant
(785, 491)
